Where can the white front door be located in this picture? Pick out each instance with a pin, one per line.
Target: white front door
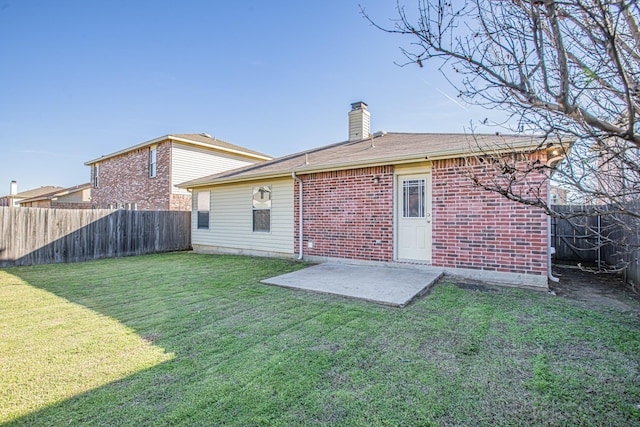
(413, 217)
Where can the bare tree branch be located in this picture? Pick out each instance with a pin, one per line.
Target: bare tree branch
(564, 69)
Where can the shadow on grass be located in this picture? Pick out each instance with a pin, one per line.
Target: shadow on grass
(183, 303)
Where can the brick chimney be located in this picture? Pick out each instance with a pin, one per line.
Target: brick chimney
(13, 188)
(359, 121)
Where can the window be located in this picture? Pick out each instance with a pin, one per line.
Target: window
(204, 198)
(153, 153)
(554, 198)
(413, 198)
(262, 208)
(94, 174)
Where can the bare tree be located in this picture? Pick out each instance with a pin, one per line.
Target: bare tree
(562, 70)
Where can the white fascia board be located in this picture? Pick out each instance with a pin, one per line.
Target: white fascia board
(128, 149)
(173, 138)
(228, 150)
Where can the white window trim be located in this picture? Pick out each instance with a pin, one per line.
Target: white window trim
(198, 210)
(96, 175)
(153, 161)
(254, 208)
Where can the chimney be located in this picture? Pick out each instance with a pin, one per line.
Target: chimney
(359, 119)
(13, 189)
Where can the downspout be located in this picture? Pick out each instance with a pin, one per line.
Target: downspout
(293, 175)
(549, 270)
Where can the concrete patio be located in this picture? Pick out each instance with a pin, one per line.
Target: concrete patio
(394, 286)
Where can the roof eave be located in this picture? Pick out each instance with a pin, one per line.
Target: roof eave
(127, 150)
(178, 139)
(307, 169)
(225, 149)
(226, 180)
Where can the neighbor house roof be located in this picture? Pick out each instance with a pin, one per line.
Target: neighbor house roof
(196, 139)
(59, 192)
(35, 192)
(380, 149)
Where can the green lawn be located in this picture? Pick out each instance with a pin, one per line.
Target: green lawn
(195, 339)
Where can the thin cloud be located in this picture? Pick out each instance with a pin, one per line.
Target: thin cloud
(450, 98)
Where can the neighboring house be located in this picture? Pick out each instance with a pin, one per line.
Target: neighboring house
(14, 198)
(145, 176)
(558, 195)
(77, 197)
(388, 197)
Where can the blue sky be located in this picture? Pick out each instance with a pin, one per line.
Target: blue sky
(83, 78)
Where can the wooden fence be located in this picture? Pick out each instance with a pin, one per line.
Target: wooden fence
(580, 240)
(32, 236)
(576, 239)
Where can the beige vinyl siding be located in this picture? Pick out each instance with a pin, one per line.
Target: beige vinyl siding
(189, 162)
(76, 196)
(231, 219)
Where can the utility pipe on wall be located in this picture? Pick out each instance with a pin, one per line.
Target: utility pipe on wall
(549, 270)
(293, 175)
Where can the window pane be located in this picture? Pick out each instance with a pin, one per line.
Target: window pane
(96, 171)
(204, 206)
(152, 162)
(262, 220)
(203, 200)
(413, 198)
(262, 197)
(203, 219)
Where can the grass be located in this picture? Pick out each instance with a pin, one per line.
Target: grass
(195, 339)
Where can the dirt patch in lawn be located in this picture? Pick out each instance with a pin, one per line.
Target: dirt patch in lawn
(602, 290)
(595, 289)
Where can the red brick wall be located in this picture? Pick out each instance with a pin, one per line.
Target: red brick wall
(477, 229)
(125, 179)
(345, 213)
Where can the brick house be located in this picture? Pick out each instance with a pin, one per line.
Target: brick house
(144, 176)
(76, 197)
(400, 198)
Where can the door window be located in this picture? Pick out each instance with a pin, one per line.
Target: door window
(413, 198)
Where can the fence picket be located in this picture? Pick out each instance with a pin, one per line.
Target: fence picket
(577, 239)
(31, 236)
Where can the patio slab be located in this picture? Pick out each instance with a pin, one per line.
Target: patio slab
(382, 285)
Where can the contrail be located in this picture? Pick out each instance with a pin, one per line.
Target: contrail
(455, 101)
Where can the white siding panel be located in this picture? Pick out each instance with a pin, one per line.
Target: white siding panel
(189, 162)
(231, 219)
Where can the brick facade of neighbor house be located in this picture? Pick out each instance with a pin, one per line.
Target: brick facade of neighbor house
(125, 179)
(179, 202)
(478, 229)
(347, 215)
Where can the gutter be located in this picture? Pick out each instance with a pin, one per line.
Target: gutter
(293, 175)
(549, 248)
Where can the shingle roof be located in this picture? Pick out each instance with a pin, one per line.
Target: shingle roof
(59, 191)
(189, 138)
(35, 192)
(387, 148)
